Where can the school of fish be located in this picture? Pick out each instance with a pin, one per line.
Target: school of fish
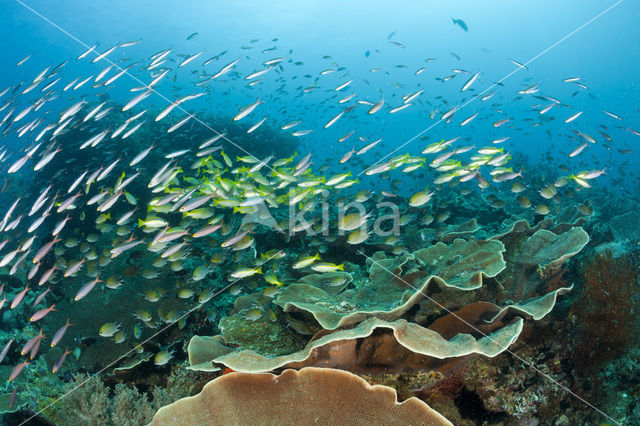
(127, 186)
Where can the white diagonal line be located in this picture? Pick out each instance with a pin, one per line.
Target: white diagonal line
(493, 85)
(444, 308)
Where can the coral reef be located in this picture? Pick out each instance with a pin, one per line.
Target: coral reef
(307, 396)
(606, 309)
(268, 334)
(394, 286)
(397, 284)
(89, 401)
(626, 227)
(417, 339)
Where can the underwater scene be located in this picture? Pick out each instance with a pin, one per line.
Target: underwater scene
(303, 212)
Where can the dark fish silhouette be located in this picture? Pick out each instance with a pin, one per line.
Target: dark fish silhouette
(461, 24)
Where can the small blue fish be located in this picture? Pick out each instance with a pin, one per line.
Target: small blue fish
(461, 24)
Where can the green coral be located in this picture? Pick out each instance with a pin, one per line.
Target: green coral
(88, 401)
(395, 284)
(262, 335)
(405, 383)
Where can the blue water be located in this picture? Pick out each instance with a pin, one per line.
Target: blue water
(498, 31)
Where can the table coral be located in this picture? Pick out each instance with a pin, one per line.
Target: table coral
(308, 396)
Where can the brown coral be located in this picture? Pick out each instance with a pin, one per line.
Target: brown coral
(605, 310)
(309, 396)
